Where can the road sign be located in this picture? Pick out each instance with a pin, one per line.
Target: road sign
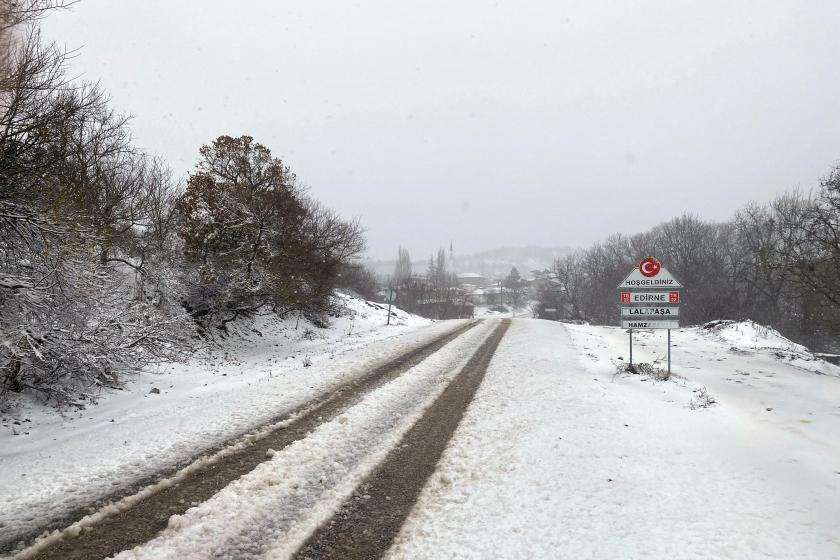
(650, 297)
(650, 312)
(644, 308)
(649, 324)
(648, 279)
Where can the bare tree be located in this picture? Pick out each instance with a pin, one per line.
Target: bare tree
(569, 274)
(402, 269)
(812, 232)
(332, 243)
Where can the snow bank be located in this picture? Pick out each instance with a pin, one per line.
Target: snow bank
(742, 336)
(749, 334)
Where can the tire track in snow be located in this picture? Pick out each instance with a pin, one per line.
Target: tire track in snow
(137, 519)
(367, 523)
(272, 510)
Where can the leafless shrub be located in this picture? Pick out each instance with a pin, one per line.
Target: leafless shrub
(643, 368)
(702, 399)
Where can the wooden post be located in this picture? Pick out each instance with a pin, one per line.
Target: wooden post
(631, 347)
(390, 299)
(669, 352)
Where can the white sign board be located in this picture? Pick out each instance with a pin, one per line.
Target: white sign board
(650, 312)
(662, 279)
(648, 324)
(653, 309)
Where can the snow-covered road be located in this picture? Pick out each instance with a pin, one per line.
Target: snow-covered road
(273, 509)
(57, 464)
(557, 458)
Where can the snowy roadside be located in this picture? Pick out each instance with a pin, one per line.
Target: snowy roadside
(556, 457)
(781, 403)
(269, 512)
(67, 462)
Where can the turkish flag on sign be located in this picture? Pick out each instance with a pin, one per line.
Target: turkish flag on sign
(649, 267)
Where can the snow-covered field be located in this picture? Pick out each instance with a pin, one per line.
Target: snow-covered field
(51, 464)
(559, 458)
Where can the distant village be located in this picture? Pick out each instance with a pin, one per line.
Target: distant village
(438, 293)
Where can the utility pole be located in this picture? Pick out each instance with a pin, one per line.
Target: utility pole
(501, 296)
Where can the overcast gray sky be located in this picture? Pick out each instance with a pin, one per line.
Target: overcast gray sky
(487, 123)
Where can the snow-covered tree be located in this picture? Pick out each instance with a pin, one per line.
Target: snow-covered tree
(75, 218)
(251, 239)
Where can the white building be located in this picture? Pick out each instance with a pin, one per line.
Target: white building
(473, 279)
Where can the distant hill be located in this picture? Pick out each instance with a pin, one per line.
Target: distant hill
(492, 263)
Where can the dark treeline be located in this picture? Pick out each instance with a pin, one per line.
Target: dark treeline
(108, 263)
(777, 263)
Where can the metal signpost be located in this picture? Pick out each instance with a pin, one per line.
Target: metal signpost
(650, 298)
(391, 297)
